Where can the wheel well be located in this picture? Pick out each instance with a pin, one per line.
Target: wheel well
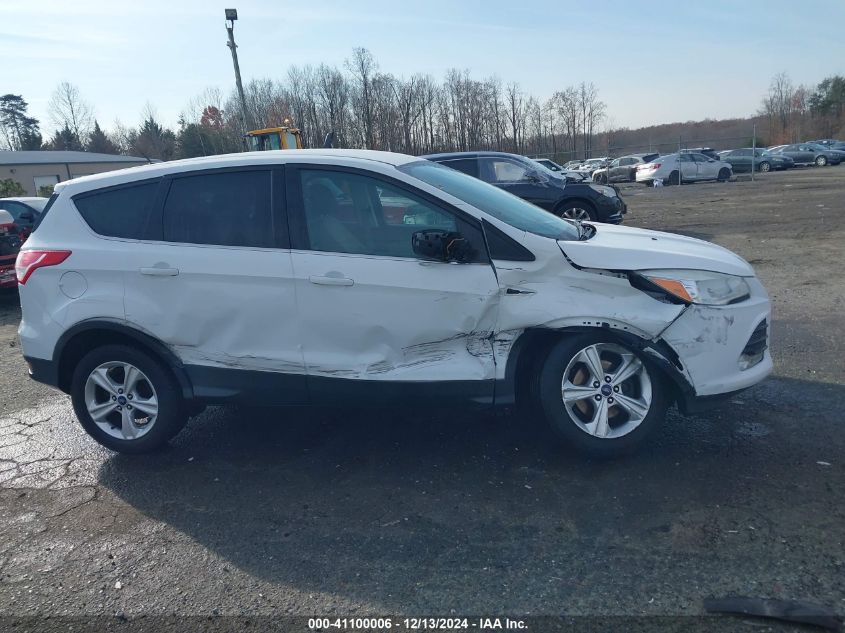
(86, 340)
(532, 347)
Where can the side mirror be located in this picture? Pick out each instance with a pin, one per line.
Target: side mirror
(441, 246)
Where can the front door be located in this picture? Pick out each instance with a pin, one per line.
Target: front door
(518, 179)
(377, 318)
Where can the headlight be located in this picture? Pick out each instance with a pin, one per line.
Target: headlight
(610, 192)
(699, 286)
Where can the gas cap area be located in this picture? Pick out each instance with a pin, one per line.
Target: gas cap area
(73, 284)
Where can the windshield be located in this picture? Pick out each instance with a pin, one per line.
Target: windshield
(500, 204)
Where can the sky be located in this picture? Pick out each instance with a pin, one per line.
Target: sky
(652, 62)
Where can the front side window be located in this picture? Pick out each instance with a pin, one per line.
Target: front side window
(353, 213)
(120, 212)
(227, 208)
(500, 204)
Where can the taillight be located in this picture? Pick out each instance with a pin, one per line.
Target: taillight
(30, 261)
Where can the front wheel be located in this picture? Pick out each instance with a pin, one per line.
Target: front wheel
(724, 175)
(764, 167)
(126, 400)
(821, 161)
(577, 210)
(601, 395)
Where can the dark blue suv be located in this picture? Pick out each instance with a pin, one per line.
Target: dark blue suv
(532, 182)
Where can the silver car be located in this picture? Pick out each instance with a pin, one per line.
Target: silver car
(691, 167)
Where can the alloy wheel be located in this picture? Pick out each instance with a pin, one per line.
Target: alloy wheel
(576, 213)
(121, 400)
(606, 390)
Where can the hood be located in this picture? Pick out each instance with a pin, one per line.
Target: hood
(626, 248)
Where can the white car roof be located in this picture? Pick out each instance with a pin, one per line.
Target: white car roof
(348, 157)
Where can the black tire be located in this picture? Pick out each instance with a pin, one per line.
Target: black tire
(172, 412)
(724, 175)
(764, 167)
(560, 418)
(632, 175)
(602, 179)
(821, 161)
(673, 179)
(572, 209)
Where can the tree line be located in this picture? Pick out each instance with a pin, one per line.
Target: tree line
(367, 108)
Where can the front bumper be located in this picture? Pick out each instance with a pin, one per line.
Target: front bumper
(611, 210)
(711, 341)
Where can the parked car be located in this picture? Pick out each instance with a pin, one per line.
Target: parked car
(693, 167)
(572, 165)
(589, 166)
(838, 154)
(145, 297)
(740, 160)
(623, 168)
(520, 176)
(25, 212)
(556, 169)
(807, 154)
(10, 243)
(831, 143)
(709, 152)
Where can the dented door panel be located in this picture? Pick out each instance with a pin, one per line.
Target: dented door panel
(225, 307)
(399, 319)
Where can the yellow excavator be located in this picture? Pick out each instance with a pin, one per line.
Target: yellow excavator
(274, 138)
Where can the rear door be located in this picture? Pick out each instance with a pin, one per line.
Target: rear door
(214, 282)
(689, 169)
(375, 315)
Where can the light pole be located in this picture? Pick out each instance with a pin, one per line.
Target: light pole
(231, 16)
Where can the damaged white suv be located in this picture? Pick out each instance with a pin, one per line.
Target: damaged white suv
(337, 276)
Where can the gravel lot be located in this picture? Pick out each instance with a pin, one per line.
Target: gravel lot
(405, 512)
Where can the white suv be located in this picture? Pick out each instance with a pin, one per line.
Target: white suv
(338, 276)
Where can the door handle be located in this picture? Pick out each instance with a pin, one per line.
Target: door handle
(331, 281)
(155, 271)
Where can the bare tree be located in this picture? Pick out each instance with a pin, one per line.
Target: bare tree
(67, 109)
(363, 66)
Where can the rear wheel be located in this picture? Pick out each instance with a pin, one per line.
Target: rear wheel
(764, 167)
(821, 161)
(674, 178)
(577, 210)
(724, 175)
(601, 395)
(126, 400)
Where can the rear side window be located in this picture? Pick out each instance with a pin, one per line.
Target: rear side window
(469, 166)
(230, 208)
(40, 217)
(121, 212)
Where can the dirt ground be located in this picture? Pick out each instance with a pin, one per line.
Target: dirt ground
(411, 513)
